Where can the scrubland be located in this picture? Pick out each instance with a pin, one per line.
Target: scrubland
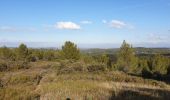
(47, 80)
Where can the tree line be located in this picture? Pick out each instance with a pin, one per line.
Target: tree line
(126, 60)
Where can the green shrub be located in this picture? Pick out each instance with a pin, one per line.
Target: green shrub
(48, 55)
(6, 53)
(87, 58)
(159, 64)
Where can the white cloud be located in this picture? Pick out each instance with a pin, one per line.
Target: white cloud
(15, 29)
(117, 24)
(67, 25)
(86, 22)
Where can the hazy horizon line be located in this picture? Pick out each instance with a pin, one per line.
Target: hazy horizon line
(83, 45)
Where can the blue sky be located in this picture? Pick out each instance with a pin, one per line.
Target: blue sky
(93, 23)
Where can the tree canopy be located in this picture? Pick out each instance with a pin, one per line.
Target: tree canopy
(70, 51)
(126, 58)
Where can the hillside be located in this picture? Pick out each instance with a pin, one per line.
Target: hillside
(44, 80)
(70, 74)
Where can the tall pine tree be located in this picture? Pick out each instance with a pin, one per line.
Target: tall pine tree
(127, 61)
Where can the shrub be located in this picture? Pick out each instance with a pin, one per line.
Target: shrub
(49, 55)
(6, 53)
(31, 58)
(87, 58)
(3, 66)
(69, 67)
(21, 65)
(96, 67)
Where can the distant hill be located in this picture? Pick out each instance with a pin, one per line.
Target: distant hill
(138, 50)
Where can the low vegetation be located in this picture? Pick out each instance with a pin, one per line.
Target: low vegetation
(49, 74)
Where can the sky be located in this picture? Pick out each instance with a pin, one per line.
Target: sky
(88, 23)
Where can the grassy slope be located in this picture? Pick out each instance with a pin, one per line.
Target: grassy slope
(42, 81)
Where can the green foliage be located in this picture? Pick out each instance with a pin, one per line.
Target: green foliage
(70, 51)
(6, 53)
(38, 54)
(127, 61)
(68, 66)
(87, 58)
(49, 55)
(159, 64)
(22, 52)
(30, 57)
(103, 59)
(142, 66)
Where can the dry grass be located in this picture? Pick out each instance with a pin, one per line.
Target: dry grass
(42, 81)
(18, 92)
(76, 90)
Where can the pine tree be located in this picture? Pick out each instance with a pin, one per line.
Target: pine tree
(159, 64)
(70, 51)
(22, 52)
(127, 61)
